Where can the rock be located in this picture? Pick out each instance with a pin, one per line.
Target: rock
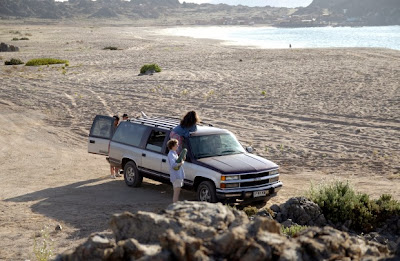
(58, 228)
(204, 231)
(96, 247)
(275, 208)
(287, 223)
(264, 213)
(8, 48)
(302, 211)
(198, 220)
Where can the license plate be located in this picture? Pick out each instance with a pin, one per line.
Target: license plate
(259, 194)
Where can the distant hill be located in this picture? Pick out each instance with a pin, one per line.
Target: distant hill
(372, 12)
(85, 8)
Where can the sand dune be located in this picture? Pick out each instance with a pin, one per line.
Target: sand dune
(321, 114)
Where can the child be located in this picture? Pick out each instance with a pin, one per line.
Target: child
(176, 176)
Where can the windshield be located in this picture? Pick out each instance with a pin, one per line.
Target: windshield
(215, 145)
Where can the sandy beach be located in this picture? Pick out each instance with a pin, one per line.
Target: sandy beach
(321, 114)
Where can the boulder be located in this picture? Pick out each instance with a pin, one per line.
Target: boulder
(301, 211)
(8, 48)
(201, 221)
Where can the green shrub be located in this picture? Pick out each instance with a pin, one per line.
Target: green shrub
(46, 61)
(43, 247)
(293, 230)
(15, 39)
(110, 48)
(13, 61)
(340, 203)
(24, 38)
(250, 211)
(150, 67)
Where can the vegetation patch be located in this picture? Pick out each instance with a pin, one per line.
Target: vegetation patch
(340, 203)
(250, 211)
(13, 61)
(293, 230)
(46, 61)
(113, 48)
(150, 67)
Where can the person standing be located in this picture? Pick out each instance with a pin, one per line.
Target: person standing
(176, 176)
(113, 169)
(187, 125)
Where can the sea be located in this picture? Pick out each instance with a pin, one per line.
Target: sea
(310, 37)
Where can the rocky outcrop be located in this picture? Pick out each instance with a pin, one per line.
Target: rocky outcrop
(8, 48)
(204, 231)
(301, 211)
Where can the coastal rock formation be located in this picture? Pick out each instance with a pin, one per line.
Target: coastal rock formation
(368, 12)
(301, 211)
(204, 231)
(8, 48)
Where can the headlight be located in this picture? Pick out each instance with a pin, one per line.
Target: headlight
(273, 172)
(230, 177)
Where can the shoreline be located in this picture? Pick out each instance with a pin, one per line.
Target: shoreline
(226, 34)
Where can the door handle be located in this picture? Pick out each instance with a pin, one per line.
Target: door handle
(144, 155)
(92, 141)
(164, 160)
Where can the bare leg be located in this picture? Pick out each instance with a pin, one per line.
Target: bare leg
(176, 195)
(112, 170)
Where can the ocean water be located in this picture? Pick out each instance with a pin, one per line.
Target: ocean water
(314, 37)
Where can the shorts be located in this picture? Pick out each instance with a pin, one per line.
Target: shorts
(178, 183)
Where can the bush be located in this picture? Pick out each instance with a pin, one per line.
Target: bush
(250, 211)
(150, 67)
(340, 203)
(13, 62)
(46, 61)
(24, 38)
(110, 48)
(15, 39)
(293, 230)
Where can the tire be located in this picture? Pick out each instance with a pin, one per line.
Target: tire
(206, 192)
(132, 176)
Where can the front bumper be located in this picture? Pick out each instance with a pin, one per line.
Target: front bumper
(248, 193)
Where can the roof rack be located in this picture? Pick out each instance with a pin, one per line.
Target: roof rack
(158, 122)
(162, 122)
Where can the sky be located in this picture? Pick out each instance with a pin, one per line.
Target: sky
(276, 3)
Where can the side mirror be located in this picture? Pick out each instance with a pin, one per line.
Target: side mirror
(249, 149)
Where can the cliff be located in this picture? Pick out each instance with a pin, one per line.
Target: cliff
(370, 12)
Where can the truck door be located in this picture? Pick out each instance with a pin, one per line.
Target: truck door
(100, 135)
(152, 156)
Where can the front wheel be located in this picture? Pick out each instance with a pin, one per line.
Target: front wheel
(206, 192)
(132, 176)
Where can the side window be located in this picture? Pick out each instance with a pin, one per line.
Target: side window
(102, 127)
(156, 141)
(129, 133)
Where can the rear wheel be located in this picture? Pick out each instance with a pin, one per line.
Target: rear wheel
(132, 176)
(206, 192)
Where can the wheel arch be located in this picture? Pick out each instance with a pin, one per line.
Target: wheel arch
(125, 161)
(199, 179)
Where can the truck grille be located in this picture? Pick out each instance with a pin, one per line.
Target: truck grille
(256, 175)
(254, 183)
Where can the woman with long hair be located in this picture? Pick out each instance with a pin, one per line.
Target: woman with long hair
(187, 125)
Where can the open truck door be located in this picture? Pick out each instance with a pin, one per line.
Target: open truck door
(100, 134)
